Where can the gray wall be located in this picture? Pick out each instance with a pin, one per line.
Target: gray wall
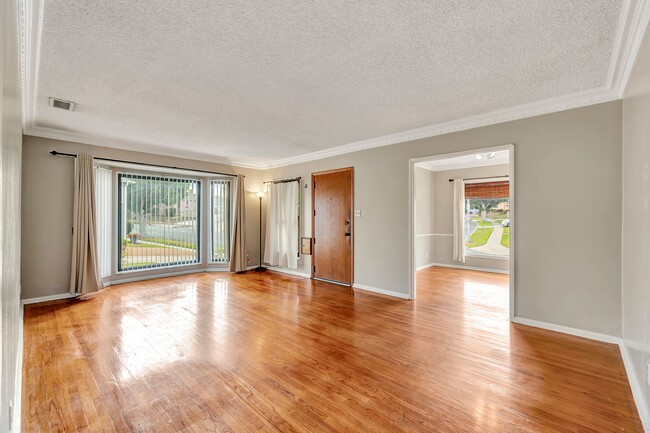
(568, 189)
(10, 152)
(47, 210)
(568, 168)
(444, 214)
(636, 223)
(424, 217)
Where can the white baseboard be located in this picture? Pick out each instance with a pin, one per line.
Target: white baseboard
(567, 330)
(470, 268)
(56, 297)
(635, 384)
(288, 271)
(381, 291)
(16, 416)
(156, 276)
(213, 269)
(642, 406)
(423, 267)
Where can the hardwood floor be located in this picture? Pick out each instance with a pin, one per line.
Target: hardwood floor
(269, 352)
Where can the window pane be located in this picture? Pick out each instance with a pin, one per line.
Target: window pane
(220, 215)
(104, 206)
(159, 221)
(487, 226)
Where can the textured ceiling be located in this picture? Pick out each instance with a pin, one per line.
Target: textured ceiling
(265, 80)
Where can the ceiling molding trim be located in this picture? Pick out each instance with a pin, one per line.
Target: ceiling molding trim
(32, 24)
(74, 137)
(635, 17)
(548, 106)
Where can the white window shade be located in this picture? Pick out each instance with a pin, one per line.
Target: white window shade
(104, 207)
(220, 215)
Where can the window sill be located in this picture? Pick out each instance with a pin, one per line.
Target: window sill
(159, 268)
(486, 256)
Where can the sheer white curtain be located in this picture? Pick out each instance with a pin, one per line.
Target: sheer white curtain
(459, 220)
(104, 205)
(281, 247)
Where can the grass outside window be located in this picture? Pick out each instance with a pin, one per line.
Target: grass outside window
(479, 237)
(505, 237)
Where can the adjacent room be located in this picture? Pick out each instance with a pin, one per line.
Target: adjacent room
(298, 216)
(461, 206)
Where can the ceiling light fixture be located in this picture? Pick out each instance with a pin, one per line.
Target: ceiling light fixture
(479, 156)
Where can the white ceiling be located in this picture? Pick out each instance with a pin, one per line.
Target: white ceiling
(466, 161)
(279, 81)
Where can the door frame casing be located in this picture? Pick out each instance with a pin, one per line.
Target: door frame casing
(513, 220)
(313, 221)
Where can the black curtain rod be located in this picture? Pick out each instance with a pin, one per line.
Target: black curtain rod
(55, 153)
(478, 178)
(293, 179)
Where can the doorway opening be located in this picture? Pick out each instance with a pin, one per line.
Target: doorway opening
(462, 214)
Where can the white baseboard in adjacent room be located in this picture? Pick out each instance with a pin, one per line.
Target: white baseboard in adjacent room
(381, 291)
(468, 268)
(423, 267)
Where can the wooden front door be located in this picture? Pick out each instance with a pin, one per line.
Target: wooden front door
(333, 225)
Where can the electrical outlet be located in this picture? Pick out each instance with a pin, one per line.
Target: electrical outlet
(357, 213)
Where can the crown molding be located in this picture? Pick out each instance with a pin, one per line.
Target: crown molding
(635, 16)
(74, 137)
(632, 27)
(547, 106)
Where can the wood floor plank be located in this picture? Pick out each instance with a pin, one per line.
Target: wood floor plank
(273, 353)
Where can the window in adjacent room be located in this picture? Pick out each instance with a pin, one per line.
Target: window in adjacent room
(487, 218)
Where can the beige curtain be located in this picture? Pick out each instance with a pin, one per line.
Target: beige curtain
(84, 271)
(238, 260)
(459, 220)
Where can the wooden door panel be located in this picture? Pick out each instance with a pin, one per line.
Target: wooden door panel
(333, 225)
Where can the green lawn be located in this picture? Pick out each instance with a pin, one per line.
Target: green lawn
(151, 243)
(482, 223)
(142, 244)
(137, 264)
(479, 237)
(182, 244)
(505, 237)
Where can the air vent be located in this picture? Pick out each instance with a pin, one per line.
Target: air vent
(60, 103)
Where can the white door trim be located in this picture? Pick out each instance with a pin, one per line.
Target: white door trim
(511, 159)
